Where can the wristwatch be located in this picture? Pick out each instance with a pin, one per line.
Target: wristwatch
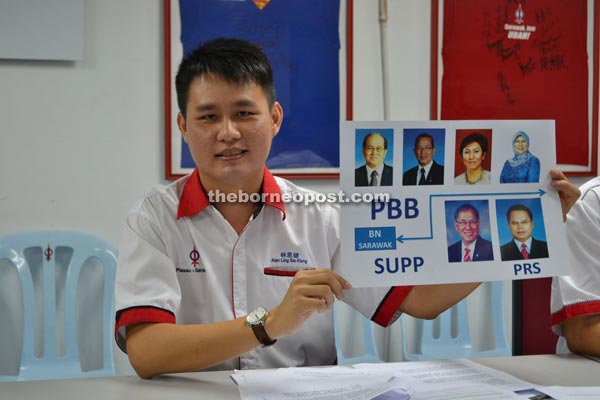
(256, 320)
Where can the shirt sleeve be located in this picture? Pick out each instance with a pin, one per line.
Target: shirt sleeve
(579, 293)
(533, 175)
(504, 173)
(146, 289)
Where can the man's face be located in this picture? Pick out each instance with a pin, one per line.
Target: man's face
(521, 226)
(374, 151)
(229, 129)
(467, 226)
(424, 151)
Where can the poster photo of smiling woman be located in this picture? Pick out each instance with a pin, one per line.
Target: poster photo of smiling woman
(473, 158)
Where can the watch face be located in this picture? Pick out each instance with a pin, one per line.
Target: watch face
(256, 316)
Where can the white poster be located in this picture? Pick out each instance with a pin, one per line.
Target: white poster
(449, 201)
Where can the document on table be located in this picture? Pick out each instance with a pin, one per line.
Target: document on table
(452, 379)
(425, 373)
(444, 379)
(335, 383)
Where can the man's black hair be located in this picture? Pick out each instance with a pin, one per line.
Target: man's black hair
(233, 60)
(519, 207)
(424, 135)
(466, 207)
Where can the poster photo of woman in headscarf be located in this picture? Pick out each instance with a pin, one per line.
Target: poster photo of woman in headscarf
(523, 167)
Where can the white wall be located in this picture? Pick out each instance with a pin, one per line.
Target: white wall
(81, 141)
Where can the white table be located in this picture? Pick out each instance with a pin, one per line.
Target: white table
(541, 370)
(549, 369)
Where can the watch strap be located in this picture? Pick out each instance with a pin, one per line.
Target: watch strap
(262, 336)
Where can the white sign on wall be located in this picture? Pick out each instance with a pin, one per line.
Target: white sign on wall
(42, 30)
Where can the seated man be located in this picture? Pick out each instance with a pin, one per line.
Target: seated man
(575, 302)
(191, 290)
(523, 246)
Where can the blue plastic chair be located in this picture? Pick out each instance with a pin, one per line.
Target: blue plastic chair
(31, 250)
(447, 345)
(370, 354)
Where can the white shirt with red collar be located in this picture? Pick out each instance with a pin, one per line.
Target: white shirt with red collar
(579, 293)
(181, 262)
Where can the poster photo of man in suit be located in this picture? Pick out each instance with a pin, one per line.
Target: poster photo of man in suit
(376, 154)
(465, 220)
(520, 242)
(427, 170)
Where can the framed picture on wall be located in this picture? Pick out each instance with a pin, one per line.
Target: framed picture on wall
(303, 42)
(517, 59)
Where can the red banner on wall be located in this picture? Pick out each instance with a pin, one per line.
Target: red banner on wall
(510, 59)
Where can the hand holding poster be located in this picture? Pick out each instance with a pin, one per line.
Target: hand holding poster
(466, 201)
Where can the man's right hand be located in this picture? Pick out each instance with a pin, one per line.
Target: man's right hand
(310, 291)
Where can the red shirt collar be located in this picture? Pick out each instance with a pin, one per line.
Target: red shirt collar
(193, 198)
